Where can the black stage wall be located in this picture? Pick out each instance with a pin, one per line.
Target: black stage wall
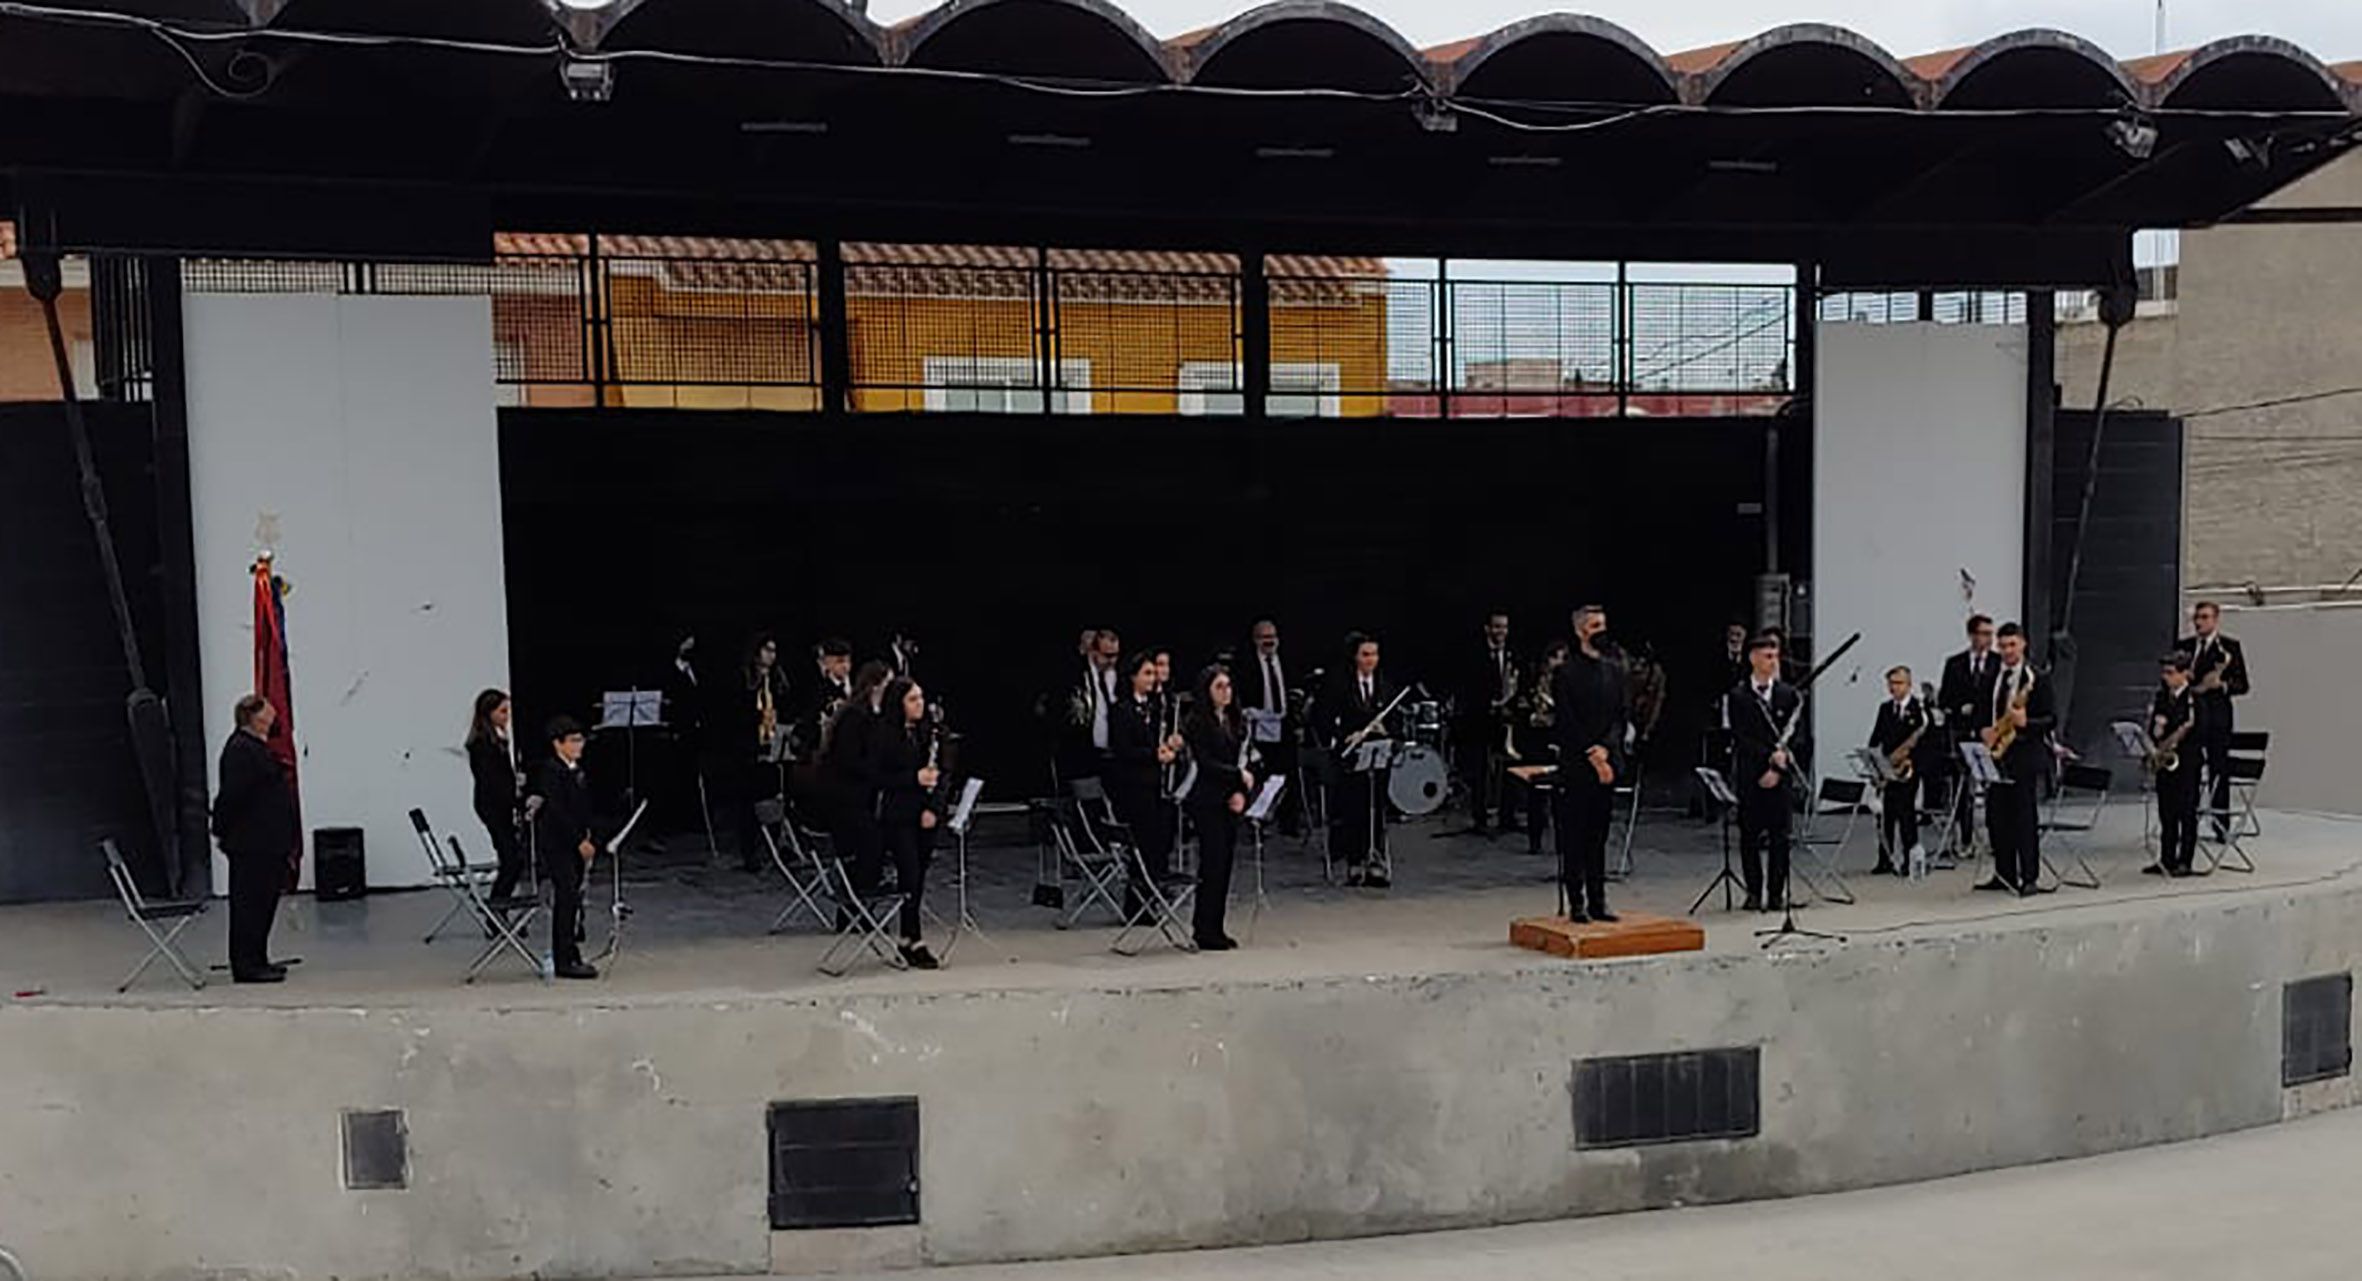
(995, 539)
(2124, 607)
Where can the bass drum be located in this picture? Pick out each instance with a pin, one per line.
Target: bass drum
(1419, 782)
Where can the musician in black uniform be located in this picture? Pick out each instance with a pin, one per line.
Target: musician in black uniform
(685, 758)
(848, 773)
(1537, 738)
(911, 805)
(817, 699)
(763, 708)
(1902, 720)
(2011, 807)
(1216, 737)
(1138, 749)
(1762, 712)
(1354, 698)
(563, 834)
(2218, 674)
(1589, 709)
(492, 765)
(254, 822)
(1486, 680)
(1966, 695)
(2173, 709)
(1263, 686)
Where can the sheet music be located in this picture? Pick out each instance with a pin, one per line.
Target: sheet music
(631, 709)
(1267, 798)
(1265, 727)
(965, 808)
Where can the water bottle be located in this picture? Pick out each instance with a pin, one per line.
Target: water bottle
(1918, 861)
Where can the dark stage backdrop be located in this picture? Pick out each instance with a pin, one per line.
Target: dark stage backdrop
(995, 539)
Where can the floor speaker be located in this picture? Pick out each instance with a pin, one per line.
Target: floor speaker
(338, 869)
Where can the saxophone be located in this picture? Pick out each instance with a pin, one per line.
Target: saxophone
(2005, 727)
(2166, 759)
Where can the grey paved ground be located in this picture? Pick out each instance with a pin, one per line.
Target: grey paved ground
(2275, 1203)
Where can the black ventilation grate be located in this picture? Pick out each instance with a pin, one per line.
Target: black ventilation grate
(1667, 1098)
(846, 1163)
(376, 1150)
(2316, 1029)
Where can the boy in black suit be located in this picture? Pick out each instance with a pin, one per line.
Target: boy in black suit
(1902, 720)
(2175, 708)
(1759, 712)
(562, 826)
(2022, 700)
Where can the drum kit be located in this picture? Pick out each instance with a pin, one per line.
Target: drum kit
(1420, 782)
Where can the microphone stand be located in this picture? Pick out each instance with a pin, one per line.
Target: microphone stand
(1788, 928)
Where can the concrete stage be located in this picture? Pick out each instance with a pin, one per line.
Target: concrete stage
(1368, 1063)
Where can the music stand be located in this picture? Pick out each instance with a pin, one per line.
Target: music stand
(1788, 928)
(1258, 815)
(963, 813)
(1718, 793)
(2132, 739)
(618, 910)
(629, 710)
(1371, 758)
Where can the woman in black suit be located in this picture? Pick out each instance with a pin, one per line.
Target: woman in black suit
(902, 760)
(492, 762)
(1217, 742)
(1137, 753)
(848, 781)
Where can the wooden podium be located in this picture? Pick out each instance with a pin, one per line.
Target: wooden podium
(1635, 934)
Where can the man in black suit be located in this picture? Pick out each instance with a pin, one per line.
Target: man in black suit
(1357, 819)
(2011, 806)
(1481, 710)
(2218, 672)
(254, 822)
(1589, 697)
(1264, 684)
(1902, 720)
(562, 826)
(1966, 697)
(831, 685)
(1760, 713)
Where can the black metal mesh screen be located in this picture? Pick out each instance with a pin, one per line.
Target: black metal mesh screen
(1713, 338)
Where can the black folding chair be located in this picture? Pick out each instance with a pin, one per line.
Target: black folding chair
(2074, 816)
(864, 921)
(805, 874)
(2245, 769)
(504, 924)
(1086, 854)
(161, 921)
(1819, 856)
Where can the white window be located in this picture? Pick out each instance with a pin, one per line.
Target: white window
(1003, 385)
(1299, 389)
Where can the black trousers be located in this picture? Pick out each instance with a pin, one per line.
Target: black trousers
(911, 847)
(566, 870)
(2214, 743)
(509, 850)
(1898, 829)
(2177, 817)
(255, 881)
(1217, 853)
(1477, 742)
(2011, 819)
(1350, 814)
(1142, 810)
(1585, 807)
(1766, 822)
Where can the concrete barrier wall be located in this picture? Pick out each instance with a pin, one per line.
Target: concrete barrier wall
(629, 1140)
(2302, 659)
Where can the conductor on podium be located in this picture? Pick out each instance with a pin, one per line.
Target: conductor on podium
(1590, 696)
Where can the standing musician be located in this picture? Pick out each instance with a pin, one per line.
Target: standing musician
(763, 720)
(684, 711)
(848, 771)
(1263, 686)
(1761, 713)
(1138, 749)
(2171, 728)
(1590, 716)
(1353, 700)
(1715, 744)
(1537, 737)
(563, 831)
(254, 822)
(1487, 687)
(831, 686)
(492, 765)
(1645, 696)
(905, 762)
(1966, 697)
(1083, 743)
(1216, 737)
(2019, 719)
(2218, 670)
(1899, 733)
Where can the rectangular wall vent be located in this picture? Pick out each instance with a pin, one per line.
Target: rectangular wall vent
(376, 1150)
(1667, 1098)
(844, 1163)
(2316, 1029)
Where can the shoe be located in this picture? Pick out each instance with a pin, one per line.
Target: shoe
(1995, 884)
(2159, 869)
(577, 970)
(1377, 881)
(2180, 871)
(2027, 891)
(1886, 867)
(1353, 876)
(1604, 916)
(917, 957)
(1578, 918)
(1754, 903)
(1218, 943)
(267, 974)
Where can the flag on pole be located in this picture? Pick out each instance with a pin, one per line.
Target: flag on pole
(272, 682)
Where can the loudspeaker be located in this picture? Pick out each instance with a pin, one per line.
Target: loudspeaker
(338, 869)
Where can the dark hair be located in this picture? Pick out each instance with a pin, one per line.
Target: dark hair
(1129, 666)
(1768, 638)
(479, 729)
(1898, 670)
(1201, 707)
(754, 652)
(1976, 621)
(834, 647)
(1556, 648)
(869, 676)
(2206, 606)
(890, 706)
(562, 728)
(247, 709)
(2177, 660)
(2010, 629)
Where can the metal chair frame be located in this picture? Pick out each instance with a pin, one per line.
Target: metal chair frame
(150, 916)
(864, 919)
(1823, 872)
(805, 874)
(503, 933)
(2076, 830)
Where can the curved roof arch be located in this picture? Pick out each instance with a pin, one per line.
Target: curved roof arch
(1270, 47)
(493, 21)
(2260, 73)
(2035, 67)
(1086, 39)
(1558, 56)
(1805, 64)
(829, 31)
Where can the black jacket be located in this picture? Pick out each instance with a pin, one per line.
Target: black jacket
(2029, 753)
(808, 715)
(896, 754)
(848, 765)
(564, 820)
(495, 782)
(2225, 654)
(1214, 746)
(1592, 697)
(1343, 712)
(1967, 700)
(2169, 711)
(254, 813)
(1480, 685)
(1247, 674)
(1756, 727)
(1892, 730)
(1132, 737)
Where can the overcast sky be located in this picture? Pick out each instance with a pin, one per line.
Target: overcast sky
(2330, 28)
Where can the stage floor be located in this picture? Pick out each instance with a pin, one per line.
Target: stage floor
(699, 931)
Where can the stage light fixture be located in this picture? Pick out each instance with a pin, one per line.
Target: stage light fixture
(1066, 140)
(2135, 136)
(1434, 117)
(587, 79)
